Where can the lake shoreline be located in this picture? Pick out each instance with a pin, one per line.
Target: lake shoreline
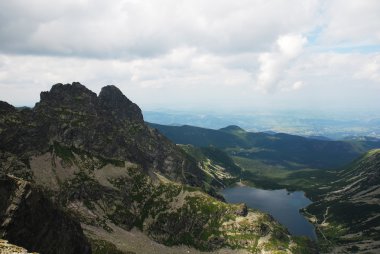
(285, 206)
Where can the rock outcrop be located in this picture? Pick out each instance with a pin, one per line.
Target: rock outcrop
(30, 220)
(7, 248)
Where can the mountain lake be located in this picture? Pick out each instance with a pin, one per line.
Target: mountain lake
(284, 206)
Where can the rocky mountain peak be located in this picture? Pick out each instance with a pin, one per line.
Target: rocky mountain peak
(67, 95)
(112, 99)
(76, 97)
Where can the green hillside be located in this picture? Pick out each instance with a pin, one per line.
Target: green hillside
(217, 164)
(347, 211)
(280, 150)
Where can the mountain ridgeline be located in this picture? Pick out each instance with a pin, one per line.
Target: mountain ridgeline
(289, 151)
(95, 162)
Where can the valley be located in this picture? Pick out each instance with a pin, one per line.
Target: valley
(281, 161)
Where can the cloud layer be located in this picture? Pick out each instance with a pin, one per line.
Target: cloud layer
(195, 54)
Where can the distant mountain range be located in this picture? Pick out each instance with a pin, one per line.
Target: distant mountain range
(289, 151)
(333, 125)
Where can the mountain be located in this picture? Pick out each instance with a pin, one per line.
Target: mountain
(288, 151)
(95, 158)
(109, 125)
(347, 212)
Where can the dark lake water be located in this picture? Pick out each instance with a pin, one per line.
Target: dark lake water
(282, 205)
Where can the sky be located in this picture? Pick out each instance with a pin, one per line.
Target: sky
(211, 55)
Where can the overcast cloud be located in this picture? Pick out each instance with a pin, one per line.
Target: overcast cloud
(196, 54)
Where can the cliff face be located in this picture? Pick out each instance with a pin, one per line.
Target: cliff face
(30, 220)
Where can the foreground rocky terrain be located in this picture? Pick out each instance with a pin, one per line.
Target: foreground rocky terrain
(97, 161)
(7, 248)
(30, 220)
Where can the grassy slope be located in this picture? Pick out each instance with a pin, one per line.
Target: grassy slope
(219, 167)
(261, 175)
(347, 213)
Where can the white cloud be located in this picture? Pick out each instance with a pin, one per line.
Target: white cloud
(273, 64)
(352, 23)
(370, 70)
(196, 53)
(291, 45)
(297, 85)
(182, 72)
(146, 28)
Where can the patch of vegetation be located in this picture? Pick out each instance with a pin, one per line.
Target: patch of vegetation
(65, 153)
(304, 246)
(87, 160)
(220, 170)
(105, 247)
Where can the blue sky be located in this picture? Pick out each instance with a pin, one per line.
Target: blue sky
(197, 55)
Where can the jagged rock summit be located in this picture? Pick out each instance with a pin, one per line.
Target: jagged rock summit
(113, 100)
(76, 96)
